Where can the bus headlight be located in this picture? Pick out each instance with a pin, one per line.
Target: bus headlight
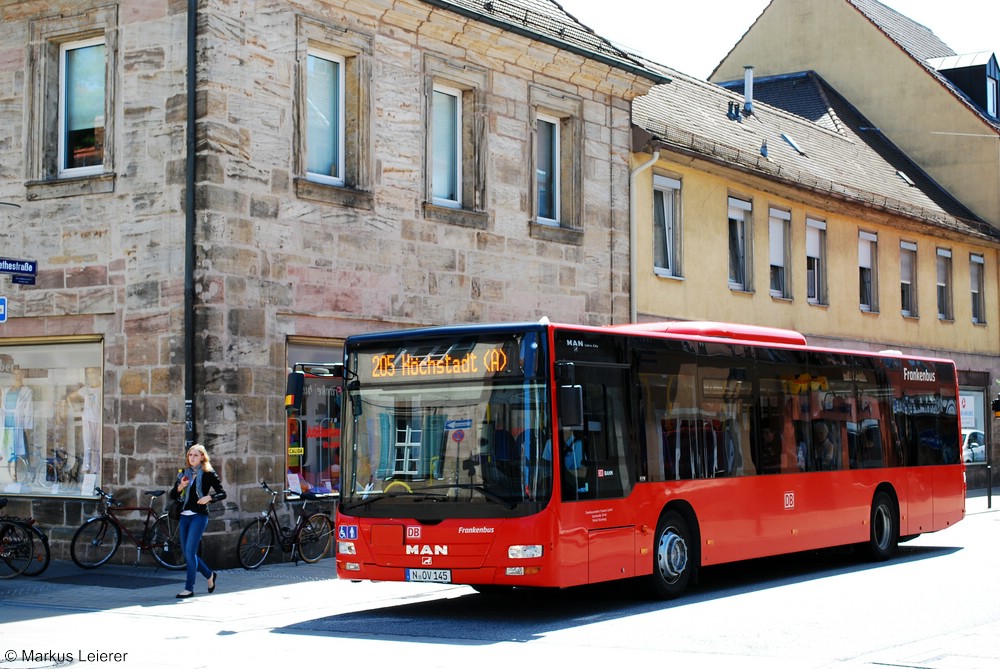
(346, 548)
(518, 552)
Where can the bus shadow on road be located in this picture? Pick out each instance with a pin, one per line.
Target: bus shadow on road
(524, 615)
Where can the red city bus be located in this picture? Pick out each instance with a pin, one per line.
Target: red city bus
(678, 446)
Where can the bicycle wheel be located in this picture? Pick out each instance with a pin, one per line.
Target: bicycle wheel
(95, 542)
(315, 537)
(165, 543)
(17, 469)
(40, 554)
(15, 549)
(256, 541)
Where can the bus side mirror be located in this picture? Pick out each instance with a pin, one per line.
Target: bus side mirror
(293, 392)
(571, 406)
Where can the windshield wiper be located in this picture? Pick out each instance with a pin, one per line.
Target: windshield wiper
(486, 492)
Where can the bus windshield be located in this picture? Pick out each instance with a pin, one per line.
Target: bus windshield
(445, 428)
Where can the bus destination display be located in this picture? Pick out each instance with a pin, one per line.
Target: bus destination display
(479, 362)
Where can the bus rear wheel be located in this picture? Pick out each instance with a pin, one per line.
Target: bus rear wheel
(672, 557)
(884, 535)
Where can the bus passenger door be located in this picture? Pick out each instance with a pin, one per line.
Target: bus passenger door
(609, 444)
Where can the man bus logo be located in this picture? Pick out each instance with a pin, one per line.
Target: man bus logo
(789, 500)
(427, 549)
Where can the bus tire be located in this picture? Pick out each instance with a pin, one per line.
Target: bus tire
(884, 527)
(672, 556)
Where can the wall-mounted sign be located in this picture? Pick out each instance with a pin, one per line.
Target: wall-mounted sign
(3, 309)
(12, 266)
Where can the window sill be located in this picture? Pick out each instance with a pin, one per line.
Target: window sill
(819, 305)
(741, 291)
(329, 194)
(477, 220)
(660, 274)
(781, 298)
(57, 188)
(554, 233)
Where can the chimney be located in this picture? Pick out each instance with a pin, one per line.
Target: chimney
(748, 89)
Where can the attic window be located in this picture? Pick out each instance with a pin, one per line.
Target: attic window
(791, 143)
(902, 175)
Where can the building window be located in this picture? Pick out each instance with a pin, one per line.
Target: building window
(991, 96)
(547, 169)
(446, 146)
(666, 226)
(72, 67)
(51, 405)
(333, 115)
(977, 274)
(908, 278)
(815, 261)
(557, 168)
(779, 225)
(325, 117)
(868, 271)
(82, 98)
(944, 301)
(455, 162)
(739, 252)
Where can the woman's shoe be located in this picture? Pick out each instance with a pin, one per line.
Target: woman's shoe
(185, 594)
(211, 582)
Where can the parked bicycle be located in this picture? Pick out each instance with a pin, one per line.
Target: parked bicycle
(40, 555)
(97, 540)
(58, 470)
(310, 539)
(26, 468)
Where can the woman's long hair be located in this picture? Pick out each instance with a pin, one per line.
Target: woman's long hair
(206, 462)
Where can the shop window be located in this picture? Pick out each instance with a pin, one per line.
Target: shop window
(51, 403)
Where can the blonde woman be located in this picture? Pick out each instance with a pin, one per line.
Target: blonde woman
(192, 487)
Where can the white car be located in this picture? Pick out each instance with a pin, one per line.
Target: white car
(974, 445)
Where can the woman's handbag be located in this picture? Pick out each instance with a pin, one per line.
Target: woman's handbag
(175, 509)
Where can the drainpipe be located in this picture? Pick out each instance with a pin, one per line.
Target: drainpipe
(633, 262)
(190, 437)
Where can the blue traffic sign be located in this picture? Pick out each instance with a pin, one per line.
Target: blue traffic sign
(3, 309)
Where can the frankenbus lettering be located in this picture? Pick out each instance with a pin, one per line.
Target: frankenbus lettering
(919, 375)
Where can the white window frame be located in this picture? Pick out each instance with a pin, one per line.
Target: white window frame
(407, 452)
(740, 217)
(63, 113)
(868, 260)
(908, 279)
(666, 226)
(991, 96)
(945, 303)
(452, 168)
(977, 279)
(779, 240)
(338, 178)
(815, 252)
(554, 152)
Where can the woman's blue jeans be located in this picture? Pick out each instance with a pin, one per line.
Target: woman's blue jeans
(191, 529)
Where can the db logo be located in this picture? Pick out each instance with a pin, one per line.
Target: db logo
(413, 532)
(789, 500)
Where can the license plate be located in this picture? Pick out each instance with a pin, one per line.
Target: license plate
(429, 575)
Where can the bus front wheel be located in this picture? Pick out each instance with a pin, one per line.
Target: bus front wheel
(672, 558)
(884, 535)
